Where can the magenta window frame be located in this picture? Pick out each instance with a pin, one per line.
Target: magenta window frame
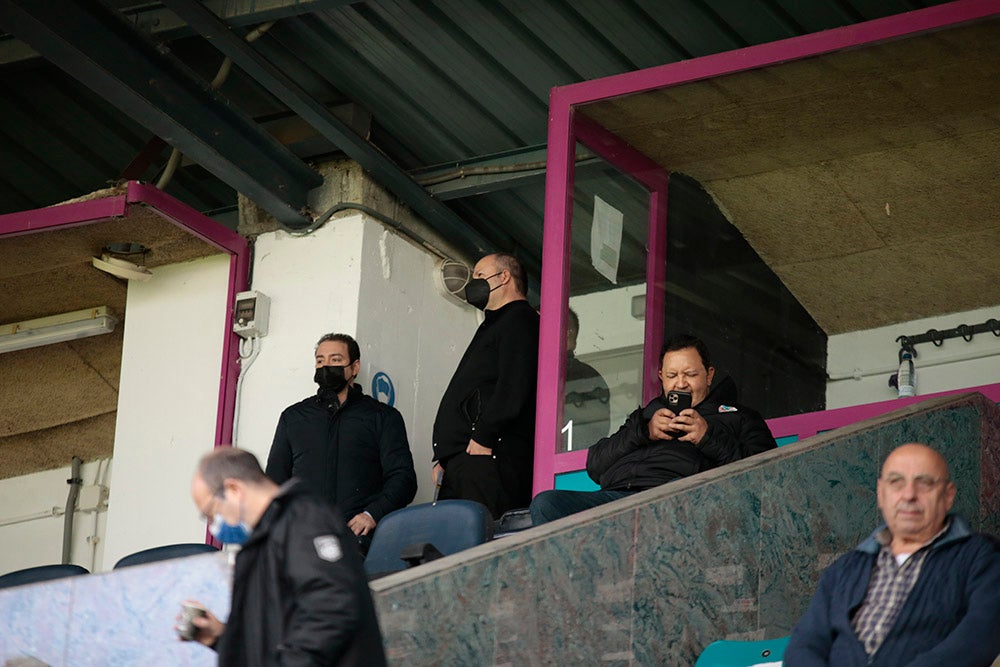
(567, 127)
(119, 206)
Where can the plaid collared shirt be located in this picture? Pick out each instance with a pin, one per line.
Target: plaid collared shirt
(888, 588)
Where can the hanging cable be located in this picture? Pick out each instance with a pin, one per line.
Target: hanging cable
(248, 354)
(369, 211)
(220, 78)
(75, 482)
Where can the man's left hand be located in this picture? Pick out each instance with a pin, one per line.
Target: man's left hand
(692, 424)
(476, 449)
(361, 524)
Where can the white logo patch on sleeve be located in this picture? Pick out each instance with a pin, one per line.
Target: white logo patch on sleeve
(727, 408)
(328, 548)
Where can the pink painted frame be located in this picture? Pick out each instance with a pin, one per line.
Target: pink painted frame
(566, 127)
(555, 278)
(119, 205)
(809, 424)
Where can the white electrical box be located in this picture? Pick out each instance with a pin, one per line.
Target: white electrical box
(252, 309)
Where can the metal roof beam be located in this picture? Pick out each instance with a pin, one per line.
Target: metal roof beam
(154, 19)
(384, 170)
(490, 173)
(96, 46)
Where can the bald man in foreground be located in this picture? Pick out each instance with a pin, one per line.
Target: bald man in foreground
(923, 589)
(300, 596)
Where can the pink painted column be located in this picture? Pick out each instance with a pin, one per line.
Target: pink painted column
(560, 166)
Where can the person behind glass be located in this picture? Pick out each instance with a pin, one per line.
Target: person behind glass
(923, 589)
(300, 595)
(347, 447)
(484, 431)
(588, 402)
(655, 446)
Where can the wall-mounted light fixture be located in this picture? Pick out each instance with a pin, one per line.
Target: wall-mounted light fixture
(56, 329)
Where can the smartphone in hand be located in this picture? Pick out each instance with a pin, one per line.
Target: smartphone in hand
(678, 400)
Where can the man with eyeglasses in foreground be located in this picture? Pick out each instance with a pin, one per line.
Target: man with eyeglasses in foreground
(300, 596)
(923, 589)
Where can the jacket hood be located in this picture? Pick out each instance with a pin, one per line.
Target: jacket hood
(724, 391)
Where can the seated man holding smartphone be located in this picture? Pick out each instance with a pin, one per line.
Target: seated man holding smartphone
(689, 428)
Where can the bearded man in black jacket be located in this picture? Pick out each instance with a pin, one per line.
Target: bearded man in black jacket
(655, 445)
(484, 432)
(346, 447)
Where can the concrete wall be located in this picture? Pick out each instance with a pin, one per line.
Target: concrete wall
(410, 332)
(39, 538)
(350, 276)
(653, 579)
(312, 282)
(859, 363)
(168, 398)
(354, 277)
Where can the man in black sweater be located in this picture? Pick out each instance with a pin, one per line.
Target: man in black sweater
(485, 427)
(346, 447)
(655, 445)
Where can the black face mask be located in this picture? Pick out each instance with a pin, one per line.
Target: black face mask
(477, 292)
(331, 379)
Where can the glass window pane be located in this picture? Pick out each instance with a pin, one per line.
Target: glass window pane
(607, 297)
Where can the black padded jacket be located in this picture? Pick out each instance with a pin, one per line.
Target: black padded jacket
(629, 461)
(300, 595)
(355, 456)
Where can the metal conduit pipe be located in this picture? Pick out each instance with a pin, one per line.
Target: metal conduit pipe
(75, 482)
(859, 373)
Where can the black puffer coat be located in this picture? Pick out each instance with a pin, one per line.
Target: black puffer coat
(629, 461)
(300, 595)
(357, 457)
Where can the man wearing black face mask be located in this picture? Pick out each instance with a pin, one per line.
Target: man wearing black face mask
(485, 426)
(347, 447)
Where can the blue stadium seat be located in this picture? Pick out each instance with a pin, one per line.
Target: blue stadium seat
(742, 654)
(422, 532)
(165, 553)
(33, 575)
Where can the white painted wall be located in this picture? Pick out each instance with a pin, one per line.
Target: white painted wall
(859, 363)
(168, 397)
(38, 541)
(313, 283)
(351, 276)
(409, 331)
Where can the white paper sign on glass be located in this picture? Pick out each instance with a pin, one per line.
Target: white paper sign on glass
(606, 239)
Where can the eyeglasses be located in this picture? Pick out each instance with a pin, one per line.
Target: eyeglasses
(210, 514)
(922, 483)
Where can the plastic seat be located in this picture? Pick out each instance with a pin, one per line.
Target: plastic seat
(448, 525)
(742, 654)
(33, 575)
(164, 553)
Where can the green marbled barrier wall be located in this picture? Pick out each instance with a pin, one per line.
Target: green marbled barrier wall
(732, 553)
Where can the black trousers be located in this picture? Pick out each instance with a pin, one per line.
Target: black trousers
(499, 483)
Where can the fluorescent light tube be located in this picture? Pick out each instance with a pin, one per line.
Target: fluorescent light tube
(56, 329)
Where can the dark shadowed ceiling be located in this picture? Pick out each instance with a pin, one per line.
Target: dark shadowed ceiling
(443, 101)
